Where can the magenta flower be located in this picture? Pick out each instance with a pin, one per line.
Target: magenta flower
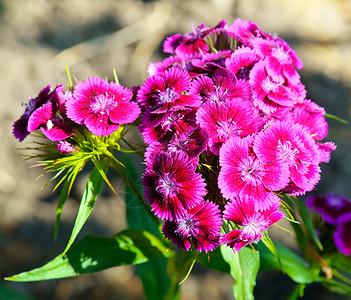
(281, 58)
(251, 222)
(246, 31)
(242, 174)
(210, 62)
(54, 128)
(161, 94)
(191, 44)
(342, 235)
(65, 147)
(292, 144)
(171, 185)
(330, 206)
(311, 116)
(198, 226)
(225, 120)
(101, 106)
(269, 93)
(220, 88)
(242, 61)
(193, 145)
(166, 127)
(20, 130)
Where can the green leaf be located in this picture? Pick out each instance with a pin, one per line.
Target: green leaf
(291, 264)
(95, 253)
(91, 192)
(214, 260)
(244, 266)
(153, 274)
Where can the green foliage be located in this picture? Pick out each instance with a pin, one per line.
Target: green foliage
(94, 253)
(244, 266)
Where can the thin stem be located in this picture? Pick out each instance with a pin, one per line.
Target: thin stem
(135, 190)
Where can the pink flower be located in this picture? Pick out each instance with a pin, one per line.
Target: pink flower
(242, 174)
(198, 226)
(242, 61)
(162, 94)
(171, 185)
(292, 144)
(53, 127)
(281, 58)
(225, 120)
(220, 88)
(269, 93)
(251, 222)
(101, 106)
(311, 116)
(65, 147)
(191, 44)
(246, 31)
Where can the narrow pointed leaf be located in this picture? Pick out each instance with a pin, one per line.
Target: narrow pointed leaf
(95, 253)
(244, 266)
(91, 192)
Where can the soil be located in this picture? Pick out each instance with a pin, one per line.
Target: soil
(38, 38)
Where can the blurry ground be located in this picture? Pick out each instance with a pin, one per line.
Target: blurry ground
(37, 39)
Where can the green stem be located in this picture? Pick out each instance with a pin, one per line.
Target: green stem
(135, 190)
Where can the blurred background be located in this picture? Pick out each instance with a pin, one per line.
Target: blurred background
(38, 38)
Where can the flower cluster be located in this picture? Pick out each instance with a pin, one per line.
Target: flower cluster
(228, 129)
(335, 210)
(227, 124)
(94, 108)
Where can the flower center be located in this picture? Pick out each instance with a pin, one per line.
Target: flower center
(166, 185)
(268, 85)
(226, 129)
(167, 96)
(102, 104)
(252, 170)
(287, 152)
(185, 226)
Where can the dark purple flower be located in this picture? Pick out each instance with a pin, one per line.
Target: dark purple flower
(171, 185)
(342, 235)
(198, 226)
(166, 127)
(193, 145)
(331, 206)
(101, 106)
(162, 94)
(251, 222)
(20, 130)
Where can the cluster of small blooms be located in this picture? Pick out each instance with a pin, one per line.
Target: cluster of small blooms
(95, 106)
(228, 129)
(335, 210)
